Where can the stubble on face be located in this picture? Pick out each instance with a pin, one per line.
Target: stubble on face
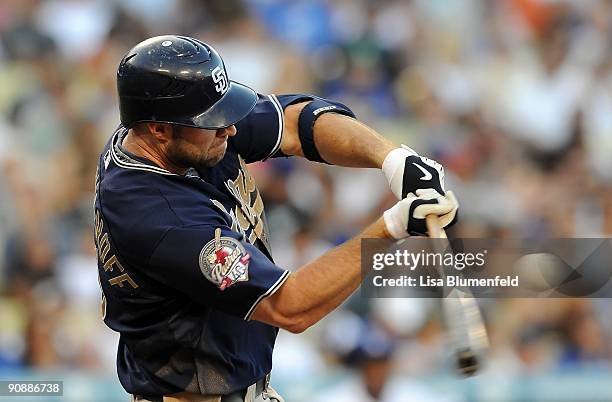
(186, 154)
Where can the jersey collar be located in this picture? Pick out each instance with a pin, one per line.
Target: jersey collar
(125, 160)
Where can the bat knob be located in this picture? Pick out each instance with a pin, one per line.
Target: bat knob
(467, 363)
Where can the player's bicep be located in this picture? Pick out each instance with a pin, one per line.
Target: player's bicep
(214, 267)
(270, 309)
(290, 142)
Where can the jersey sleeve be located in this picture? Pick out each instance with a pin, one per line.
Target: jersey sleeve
(258, 136)
(215, 267)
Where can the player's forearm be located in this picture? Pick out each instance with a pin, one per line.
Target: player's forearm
(344, 141)
(317, 288)
(339, 139)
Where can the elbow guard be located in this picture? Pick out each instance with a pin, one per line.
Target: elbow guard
(308, 116)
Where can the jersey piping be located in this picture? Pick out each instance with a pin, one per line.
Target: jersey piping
(281, 124)
(122, 160)
(269, 292)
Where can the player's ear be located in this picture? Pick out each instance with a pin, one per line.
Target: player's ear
(161, 131)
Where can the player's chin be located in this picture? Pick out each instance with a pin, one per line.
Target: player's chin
(216, 154)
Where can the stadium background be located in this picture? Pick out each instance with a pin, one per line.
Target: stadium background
(514, 97)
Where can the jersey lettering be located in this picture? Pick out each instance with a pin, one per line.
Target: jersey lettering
(247, 216)
(103, 246)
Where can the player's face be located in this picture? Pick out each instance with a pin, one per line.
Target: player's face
(197, 147)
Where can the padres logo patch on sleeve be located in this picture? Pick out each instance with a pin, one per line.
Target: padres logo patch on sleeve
(224, 261)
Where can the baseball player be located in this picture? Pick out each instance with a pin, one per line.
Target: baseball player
(184, 260)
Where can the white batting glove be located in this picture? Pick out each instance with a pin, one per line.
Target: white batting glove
(408, 215)
(407, 172)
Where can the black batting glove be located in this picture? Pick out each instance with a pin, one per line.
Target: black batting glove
(406, 172)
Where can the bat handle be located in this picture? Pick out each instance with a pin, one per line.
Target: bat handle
(433, 227)
(462, 316)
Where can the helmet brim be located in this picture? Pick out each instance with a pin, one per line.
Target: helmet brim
(234, 106)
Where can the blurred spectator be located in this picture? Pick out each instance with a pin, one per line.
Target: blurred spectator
(369, 351)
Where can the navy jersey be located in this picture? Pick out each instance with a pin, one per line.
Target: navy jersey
(184, 260)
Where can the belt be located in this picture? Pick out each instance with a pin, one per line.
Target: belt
(245, 395)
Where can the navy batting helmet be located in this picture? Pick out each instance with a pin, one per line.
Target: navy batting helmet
(179, 80)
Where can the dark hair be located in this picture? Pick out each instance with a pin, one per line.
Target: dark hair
(177, 131)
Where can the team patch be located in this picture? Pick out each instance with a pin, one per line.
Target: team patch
(224, 261)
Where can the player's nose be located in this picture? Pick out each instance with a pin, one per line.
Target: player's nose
(227, 131)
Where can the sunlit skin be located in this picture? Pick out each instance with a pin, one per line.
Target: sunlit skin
(195, 147)
(178, 148)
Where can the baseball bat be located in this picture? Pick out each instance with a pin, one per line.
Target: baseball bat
(463, 320)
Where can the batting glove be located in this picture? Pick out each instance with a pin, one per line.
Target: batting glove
(407, 217)
(407, 172)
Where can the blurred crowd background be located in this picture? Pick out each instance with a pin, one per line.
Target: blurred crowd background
(513, 97)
